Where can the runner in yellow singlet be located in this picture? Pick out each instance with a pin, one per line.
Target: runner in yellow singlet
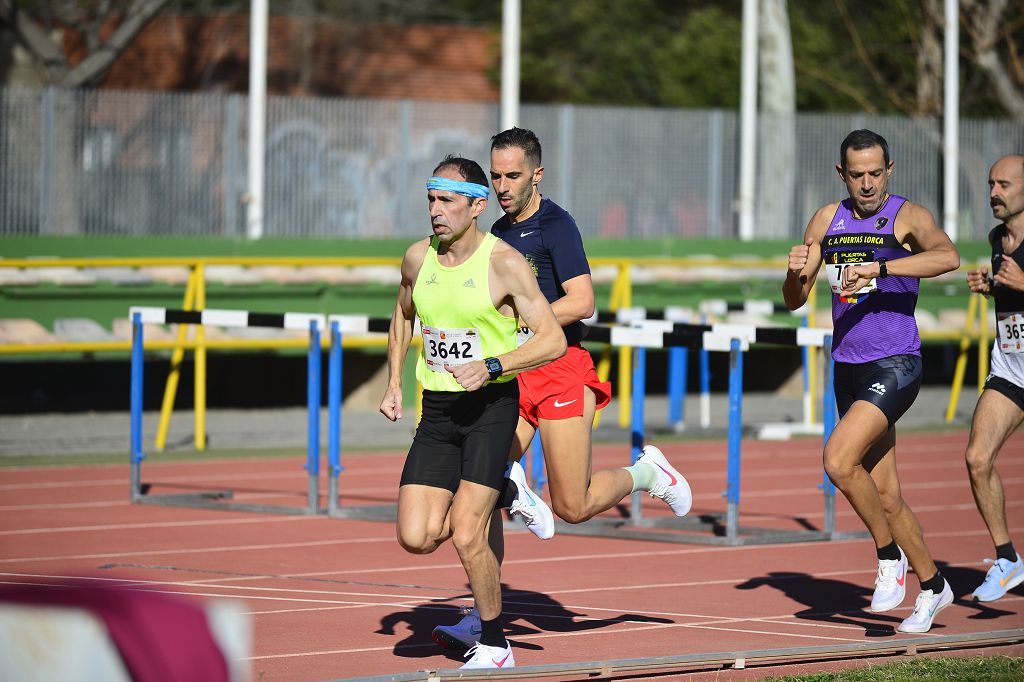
(467, 287)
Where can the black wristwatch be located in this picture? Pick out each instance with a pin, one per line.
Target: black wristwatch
(882, 270)
(493, 367)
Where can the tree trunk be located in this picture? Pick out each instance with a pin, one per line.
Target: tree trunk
(778, 135)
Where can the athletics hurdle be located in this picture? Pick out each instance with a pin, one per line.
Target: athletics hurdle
(678, 357)
(734, 339)
(339, 324)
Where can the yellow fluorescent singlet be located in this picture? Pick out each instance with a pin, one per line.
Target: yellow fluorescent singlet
(460, 298)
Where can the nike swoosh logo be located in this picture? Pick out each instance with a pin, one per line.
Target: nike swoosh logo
(667, 473)
(902, 579)
(526, 234)
(502, 661)
(1002, 583)
(558, 404)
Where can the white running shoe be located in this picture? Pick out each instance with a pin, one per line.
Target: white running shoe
(1000, 579)
(483, 656)
(890, 584)
(671, 486)
(529, 505)
(462, 635)
(926, 607)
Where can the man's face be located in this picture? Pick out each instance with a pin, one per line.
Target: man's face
(513, 180)
(1006, 188)
(866, 177)
(451, 214)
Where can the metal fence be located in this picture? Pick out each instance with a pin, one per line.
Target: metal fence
(138, 163)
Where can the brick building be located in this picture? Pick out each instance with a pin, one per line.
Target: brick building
(211, 53)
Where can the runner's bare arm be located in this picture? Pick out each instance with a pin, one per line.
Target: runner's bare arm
(805, 259)
(400, 331)
(513, 281)
(548, 340)
(578, 302)
(934, 253)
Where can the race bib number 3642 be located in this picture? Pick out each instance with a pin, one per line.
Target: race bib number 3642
(450, 347)
(1010, 327)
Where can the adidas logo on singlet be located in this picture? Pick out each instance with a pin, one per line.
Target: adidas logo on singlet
(469, 283)
(877, 388)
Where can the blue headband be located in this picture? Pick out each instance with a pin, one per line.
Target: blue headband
(468, 189)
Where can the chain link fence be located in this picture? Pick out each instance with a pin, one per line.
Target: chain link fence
(100, 162)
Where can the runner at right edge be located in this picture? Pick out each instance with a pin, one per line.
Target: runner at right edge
(875, 246)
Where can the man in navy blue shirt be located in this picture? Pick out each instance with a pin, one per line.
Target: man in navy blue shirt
(560, 399)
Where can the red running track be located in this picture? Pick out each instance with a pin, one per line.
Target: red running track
(339, 598)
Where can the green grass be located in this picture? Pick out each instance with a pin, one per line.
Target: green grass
(991, 668)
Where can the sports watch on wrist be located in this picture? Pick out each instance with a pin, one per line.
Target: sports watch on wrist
(882, 270)
(494, 368)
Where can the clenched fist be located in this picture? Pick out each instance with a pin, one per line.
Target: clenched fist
(798, 256)
(977, 281)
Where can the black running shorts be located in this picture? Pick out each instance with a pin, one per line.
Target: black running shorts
(1007, 388)
(891, 384)
(464, 436)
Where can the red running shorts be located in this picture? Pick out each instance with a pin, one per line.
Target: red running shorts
(555, 391)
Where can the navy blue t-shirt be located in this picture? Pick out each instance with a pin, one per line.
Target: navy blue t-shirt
(553, 246)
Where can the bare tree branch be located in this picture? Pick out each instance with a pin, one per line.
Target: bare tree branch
(837, 84)
(983, 20)
(34, 38)
(929, 60)
(876, 75)
(92, 68)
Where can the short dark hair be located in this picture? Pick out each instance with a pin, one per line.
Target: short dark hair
(863, 139)
(523, 139)
(469, 169)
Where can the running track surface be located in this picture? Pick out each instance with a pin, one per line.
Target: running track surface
(339, 598)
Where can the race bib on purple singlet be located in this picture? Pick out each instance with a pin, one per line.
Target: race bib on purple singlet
(837, 263)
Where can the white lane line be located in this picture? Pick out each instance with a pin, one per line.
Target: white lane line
(565, 558)
(201, 550)
(97, 504)
(153, 524)
(603, 631)
(132, 583)
(707, 622)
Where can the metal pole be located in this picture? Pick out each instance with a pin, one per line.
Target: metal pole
(136, 408)
(678, 358)
(637, 438)
(334, 418)
(313, 417)
(951, 121)
(705, 389)
(510, 27)
(828, 420)
(805, 355)
(229, 174)
(46, 175)
(748, 119)
(732, 492)
(714, 173)
(257, 116)
(538, 479)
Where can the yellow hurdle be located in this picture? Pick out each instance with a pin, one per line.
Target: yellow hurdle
(171, 387)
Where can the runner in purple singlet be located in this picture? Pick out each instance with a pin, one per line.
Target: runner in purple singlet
(875, 247)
